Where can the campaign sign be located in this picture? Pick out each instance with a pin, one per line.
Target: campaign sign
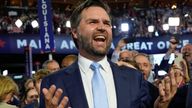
(45, 22)
(14, 44)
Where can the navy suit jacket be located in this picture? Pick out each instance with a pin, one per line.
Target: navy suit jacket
(34, 104)
(189, 96)
(132, 91)
(183, 97)
(164, 65)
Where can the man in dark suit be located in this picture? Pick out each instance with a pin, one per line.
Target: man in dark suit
(124, 87)
(165, 65)
(189, 95)
(183, 97)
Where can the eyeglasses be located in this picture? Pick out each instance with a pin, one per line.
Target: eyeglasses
(33, 96)
(174, 42)
(125, 59)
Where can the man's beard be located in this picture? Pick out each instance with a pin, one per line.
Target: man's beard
(85, 44)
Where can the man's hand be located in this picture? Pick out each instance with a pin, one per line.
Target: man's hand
(167, 90)
(120, 44)
(52, 97)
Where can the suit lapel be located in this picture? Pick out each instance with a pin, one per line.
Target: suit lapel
(75, 90)
(122, 87)
(74, 87)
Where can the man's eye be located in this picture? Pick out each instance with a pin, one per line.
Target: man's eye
(146, 65)
(92, 22)
(107, 23)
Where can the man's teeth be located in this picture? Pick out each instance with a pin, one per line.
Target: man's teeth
(100, 38)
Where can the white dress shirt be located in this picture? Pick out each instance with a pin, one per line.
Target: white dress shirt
(87, 74)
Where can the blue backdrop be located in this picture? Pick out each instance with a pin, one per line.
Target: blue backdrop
(14, 44)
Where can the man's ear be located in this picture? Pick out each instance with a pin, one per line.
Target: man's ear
(74, 33)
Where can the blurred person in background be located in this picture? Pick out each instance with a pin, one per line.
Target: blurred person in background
(182, 64)
(30, 96)
(51, 65)
(183, 97)
(38, 76)
(187, 55)
(145, 66)
(187, 52)
(181, 79)
(117, 50)
(8, 88)
(68, 60)
(126, 55)
(165, 65)
(29, 83)
(181, 60)
(123, 57)
(126, 59)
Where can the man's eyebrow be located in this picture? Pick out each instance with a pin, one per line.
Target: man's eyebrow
(108, 21)
(91, 19)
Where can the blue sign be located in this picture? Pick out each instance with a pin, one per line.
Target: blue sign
(156, 45)
(14, 44)
(45, 22)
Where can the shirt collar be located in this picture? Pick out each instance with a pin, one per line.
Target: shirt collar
(85, 63)
(104, 64)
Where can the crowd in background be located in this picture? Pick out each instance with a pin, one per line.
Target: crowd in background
(138, 18)
(26, 94)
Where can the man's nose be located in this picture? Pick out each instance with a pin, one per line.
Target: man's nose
(101, 26)
(141, 67)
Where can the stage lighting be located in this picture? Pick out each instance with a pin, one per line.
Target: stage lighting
(68, 24)
(174, 6)
(58, 29)
(186, 15)
(17, 77)
(125, 27)
(18, 23)
(35, 24)
(174, 21)
(151, 28)
(114, 27)
(33, 72)
(165, 27)
(156, 33)
(5, 72)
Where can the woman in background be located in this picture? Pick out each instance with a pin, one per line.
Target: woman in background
(8, 89)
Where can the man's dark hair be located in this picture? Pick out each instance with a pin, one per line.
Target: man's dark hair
(76, 15)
